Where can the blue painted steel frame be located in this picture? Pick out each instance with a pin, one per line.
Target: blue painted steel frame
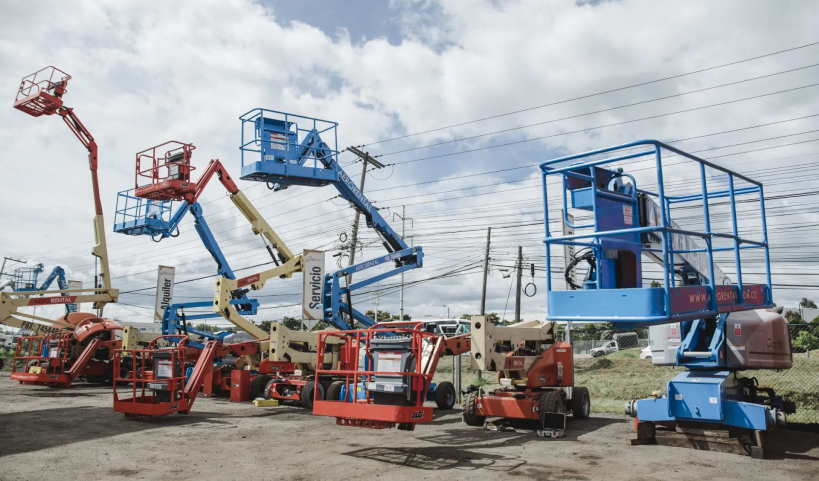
(282, 162)
(57, 274)
(134, 220)
(664, 229)
(698, 395)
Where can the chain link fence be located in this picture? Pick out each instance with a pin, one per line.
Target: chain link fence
(619, 376)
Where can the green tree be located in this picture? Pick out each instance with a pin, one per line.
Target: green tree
(407, 317)
(794, 317)
(806, 303)
(207, 327)
(656, 284)
(468, 317)
(292, 323)
(383, 316)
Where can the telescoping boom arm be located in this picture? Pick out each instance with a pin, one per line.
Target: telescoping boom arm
(285, 160)
(41, 93)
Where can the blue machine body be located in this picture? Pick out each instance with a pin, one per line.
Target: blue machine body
(283, 149)
(627, 223)
(158, 219)
(25, 280)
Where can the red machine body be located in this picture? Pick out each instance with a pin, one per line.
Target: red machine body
(551, 372)
(156, 378)
(58, 359)
(403, 360)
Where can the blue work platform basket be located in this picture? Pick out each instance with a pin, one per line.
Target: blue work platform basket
(285, 149)
(622, 224)
(138, 216)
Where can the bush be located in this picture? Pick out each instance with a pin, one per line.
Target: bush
(805, 341)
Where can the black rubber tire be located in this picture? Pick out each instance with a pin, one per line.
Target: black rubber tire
(581, 403)
(597, 354)
(257, 387)
(306, 396)
(470, 418)
(445, 395)
(334, 391)
(2, 363)
(550, 402)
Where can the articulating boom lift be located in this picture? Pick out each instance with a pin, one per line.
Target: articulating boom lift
(148, 210)
(278, 157)
(25, 280)
(57, 356)
(41, 93)
(724, 327)
(155, 216)
(284, 150)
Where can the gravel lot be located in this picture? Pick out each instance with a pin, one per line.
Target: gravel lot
(74, 434)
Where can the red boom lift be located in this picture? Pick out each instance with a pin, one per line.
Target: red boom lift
(57, 360)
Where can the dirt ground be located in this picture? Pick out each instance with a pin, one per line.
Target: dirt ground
(74, 434)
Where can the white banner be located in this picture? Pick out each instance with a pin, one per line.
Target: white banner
(164, 289)
(312, 288)
(76, 285)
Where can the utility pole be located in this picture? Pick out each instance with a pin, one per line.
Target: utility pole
(367, 159)
(403, 218)
(485, 271)
(520, 275)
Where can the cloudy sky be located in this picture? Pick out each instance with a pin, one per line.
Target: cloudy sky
(461, 100)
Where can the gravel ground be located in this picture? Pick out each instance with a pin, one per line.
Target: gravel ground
(74, 434)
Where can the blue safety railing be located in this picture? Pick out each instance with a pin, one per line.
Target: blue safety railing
(139, 216)
(669, 303)
(278, 145)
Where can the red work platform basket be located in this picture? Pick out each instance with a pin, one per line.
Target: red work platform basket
(42, 360)
(393, 365)
(41, 92)
(155, 378)
(167, 169)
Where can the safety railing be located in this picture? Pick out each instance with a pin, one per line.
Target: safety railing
(153, 377)
(40, 93)
(167, 161)
(679, 303)
(25, 278)
(47, 354)
(386, 373)
(138, 216)
(289, 132)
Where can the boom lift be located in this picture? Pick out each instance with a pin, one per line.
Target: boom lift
(725, 328)
(282, 150)
(58, 359)
(157, 217)
(148, 210)
(535, 371)
(25, 280)
(282, 153)
(41, 93)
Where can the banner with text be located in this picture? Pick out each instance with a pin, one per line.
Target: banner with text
(313, 281)
(164, 289)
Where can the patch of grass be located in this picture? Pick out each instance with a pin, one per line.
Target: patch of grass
(633, 353)
(7, 356)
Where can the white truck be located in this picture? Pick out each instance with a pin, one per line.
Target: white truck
(620, 341)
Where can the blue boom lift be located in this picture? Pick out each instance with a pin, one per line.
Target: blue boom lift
(283, 149)
(160, 219)
(25, 280)
(724, 327)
